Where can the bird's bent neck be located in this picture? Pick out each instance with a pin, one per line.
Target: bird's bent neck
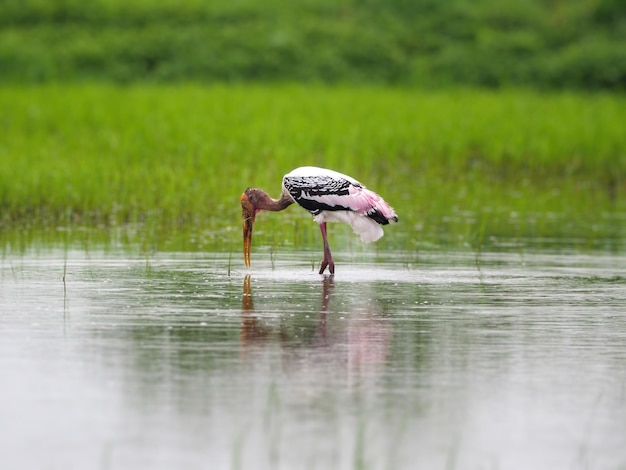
(261, 201)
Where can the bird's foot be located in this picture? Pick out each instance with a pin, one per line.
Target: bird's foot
(327, 264)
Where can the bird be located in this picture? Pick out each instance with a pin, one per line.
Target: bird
(329, 196)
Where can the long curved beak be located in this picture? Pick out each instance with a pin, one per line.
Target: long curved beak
(247, 215)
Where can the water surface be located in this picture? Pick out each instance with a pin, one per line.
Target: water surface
(506, 360)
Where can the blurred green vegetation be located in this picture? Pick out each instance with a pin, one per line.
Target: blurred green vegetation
(492, 43)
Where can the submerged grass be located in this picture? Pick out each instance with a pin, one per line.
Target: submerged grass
(461, 166)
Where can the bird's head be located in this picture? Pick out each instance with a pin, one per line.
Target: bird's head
(248, 212)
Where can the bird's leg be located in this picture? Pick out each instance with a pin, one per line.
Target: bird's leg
(328, 258)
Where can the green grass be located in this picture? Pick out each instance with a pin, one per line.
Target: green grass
(575, 44)
(460, 167)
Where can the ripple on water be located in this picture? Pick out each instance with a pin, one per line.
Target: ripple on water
(510, 360)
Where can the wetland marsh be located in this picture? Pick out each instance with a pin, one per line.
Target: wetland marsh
(485, 330)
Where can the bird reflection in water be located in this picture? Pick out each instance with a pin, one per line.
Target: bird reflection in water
(252, 329)
(355, 339)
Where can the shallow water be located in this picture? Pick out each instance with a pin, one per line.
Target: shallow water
(508, 360)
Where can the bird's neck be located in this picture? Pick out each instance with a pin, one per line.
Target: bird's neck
(262, 201)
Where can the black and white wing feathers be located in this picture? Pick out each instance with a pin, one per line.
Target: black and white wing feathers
(319, 189)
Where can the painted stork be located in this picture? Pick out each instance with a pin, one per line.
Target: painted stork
(330, 197)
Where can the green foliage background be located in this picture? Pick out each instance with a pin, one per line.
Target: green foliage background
(478, 120)
(539, 43)
(461, 167)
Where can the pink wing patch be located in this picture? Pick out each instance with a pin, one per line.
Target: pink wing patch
(364, 201)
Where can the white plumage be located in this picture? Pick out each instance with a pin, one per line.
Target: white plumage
(366, 228)
(315, 171)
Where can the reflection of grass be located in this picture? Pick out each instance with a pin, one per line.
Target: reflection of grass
(459, 167)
